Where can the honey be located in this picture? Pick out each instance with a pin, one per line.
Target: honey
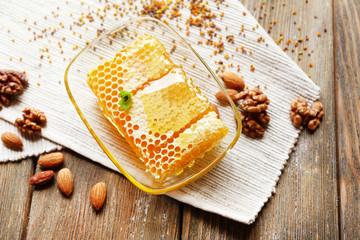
(169, 123)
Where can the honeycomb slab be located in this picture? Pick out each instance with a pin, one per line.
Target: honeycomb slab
(170, 123)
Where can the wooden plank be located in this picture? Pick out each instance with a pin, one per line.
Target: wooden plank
(15, 198)
(347, 84)
(127, 213)
(305, 203)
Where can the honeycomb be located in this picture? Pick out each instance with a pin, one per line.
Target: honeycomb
(170, 123)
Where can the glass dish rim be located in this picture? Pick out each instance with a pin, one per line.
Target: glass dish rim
(104, 148)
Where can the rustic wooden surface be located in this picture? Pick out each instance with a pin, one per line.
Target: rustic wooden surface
(347, 82)
(15, 198)
(317, 195)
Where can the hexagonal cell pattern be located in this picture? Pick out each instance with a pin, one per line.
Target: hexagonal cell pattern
(170, 122)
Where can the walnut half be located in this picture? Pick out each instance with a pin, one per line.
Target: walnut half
(32, 121)
(11, 85)
(253, 123)
(254, 100)
(300, 114)
(254, 104)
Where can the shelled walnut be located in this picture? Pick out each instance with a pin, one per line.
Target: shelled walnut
(298, 111)
(254, 116)
(300, 114)
(11, 85)
(254, 100)
(32, 121)
(253, 123)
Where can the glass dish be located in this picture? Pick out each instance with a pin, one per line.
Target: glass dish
(106, 135)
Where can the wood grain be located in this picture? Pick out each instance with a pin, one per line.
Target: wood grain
(127, 213)
(305, 203)
(15, 198)
(347, 82)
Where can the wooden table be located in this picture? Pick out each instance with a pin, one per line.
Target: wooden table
(316, 197)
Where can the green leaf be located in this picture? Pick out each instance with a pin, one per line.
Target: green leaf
(125, 100)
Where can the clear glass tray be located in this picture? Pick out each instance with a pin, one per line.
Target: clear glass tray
(109, 139)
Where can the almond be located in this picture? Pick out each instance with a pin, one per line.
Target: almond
(232, 93)
(232, 80)
(41, 178)
(214, 107)
(98, 195)
(65, 181)
(11, 140)
(51, 160)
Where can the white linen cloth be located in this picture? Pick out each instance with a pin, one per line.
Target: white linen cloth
(243, 181)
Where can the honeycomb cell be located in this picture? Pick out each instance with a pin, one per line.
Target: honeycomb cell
(114, 107)
(100, 68)
(114, 86)
(164, 159)
(101, 81)
(165, 166)
(101, 74)
(115, 99)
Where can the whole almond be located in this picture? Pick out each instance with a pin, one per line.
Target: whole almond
(214, 107)
(98, 195)
(65, 181)
(232, 93)
(232, 80)
(11, 140)
(51, 160)
(41, 178)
